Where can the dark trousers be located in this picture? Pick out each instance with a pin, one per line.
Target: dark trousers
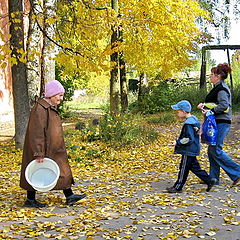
(190, 163)
(31, 195)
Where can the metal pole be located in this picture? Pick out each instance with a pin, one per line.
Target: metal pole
(229, 63)
(203, 68)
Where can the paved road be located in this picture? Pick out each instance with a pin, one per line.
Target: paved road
(132, 207)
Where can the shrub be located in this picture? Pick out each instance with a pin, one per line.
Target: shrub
(80, 125)
(157, 98)
(163, 118)
(236, 97)
(124, 129)
(160, 98)
(90, 133)
(192, 93)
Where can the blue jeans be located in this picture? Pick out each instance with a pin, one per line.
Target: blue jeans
(218, 158)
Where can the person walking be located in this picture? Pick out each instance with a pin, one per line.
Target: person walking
(44, 138)
(188, 145)
(220, 100)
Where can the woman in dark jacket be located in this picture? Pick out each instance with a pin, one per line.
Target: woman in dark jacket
(44, 138)
(220, 95)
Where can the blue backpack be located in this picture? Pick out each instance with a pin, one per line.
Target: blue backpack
(209, 129)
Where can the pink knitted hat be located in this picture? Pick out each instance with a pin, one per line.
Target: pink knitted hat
(53, 88)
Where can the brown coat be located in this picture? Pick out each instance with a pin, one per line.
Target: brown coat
(44, 138)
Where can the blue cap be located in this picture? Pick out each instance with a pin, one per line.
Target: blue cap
(183, 105)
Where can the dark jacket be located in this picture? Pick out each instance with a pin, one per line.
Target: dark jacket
(221, 96)
(44, 138)
(188, 142)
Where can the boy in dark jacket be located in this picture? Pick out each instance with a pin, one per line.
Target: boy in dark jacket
(188, 145)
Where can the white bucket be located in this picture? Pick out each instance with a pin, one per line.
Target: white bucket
(42, 176)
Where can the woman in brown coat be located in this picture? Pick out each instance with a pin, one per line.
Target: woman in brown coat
(44, 138)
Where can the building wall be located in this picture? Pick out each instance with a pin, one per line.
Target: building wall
(6, 98)
(6, 93)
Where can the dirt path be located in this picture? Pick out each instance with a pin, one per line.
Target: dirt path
(7, 130)
(135, 208)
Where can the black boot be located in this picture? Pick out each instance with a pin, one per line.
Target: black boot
(34, 204)
(74, 198)
(173, 190)
(212, 182)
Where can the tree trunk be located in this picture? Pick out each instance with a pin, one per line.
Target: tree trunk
(123, 84)
(19, 72)
(34, 46)
(49, 49)
(142, 84)
(123, 77)
(114, 79)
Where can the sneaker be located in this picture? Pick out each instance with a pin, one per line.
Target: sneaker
(34, 204)
(74, 198)
(212, 182)
(235, 182)
(173, 190)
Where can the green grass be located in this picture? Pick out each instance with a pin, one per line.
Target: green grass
(86, 102)
(167, 117)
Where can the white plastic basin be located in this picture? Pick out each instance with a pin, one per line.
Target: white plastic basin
(42, 176)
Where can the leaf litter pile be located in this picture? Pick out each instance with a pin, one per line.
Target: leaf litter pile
(126, 197)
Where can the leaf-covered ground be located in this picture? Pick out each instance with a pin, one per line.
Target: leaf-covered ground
(126, 197)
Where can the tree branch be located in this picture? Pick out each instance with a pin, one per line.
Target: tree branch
(95, 8)
(50, 39)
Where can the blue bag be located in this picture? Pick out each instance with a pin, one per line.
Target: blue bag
(209, 129)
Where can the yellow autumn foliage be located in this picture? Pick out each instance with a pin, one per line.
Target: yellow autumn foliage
(158, 35)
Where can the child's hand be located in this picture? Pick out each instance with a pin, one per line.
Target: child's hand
(200, 106)
(173, 143)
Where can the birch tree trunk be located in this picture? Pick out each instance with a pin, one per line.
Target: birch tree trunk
(19, 71)
(34, 46)
(49, 49)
